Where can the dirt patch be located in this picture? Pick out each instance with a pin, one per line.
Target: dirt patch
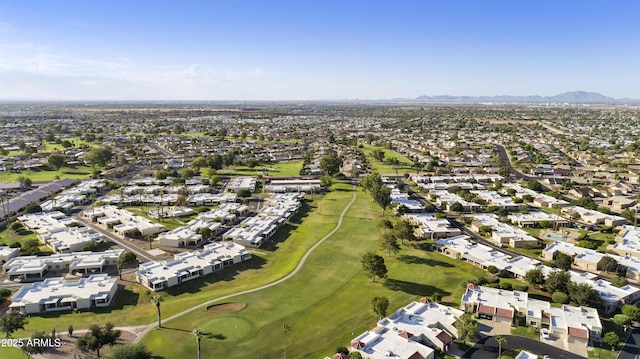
(68, 347)
(226, 307)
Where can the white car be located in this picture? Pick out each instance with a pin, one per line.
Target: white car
(544, 333)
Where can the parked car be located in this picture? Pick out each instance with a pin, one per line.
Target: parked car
(544, 333)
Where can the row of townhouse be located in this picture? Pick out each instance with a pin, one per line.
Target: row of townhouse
(186, 266)
(169, 199)
(568, 324)
(594, 217)
(480, 178)
(399, 199)
(33, 268)
(537, 219)
(61, 233)
(277, 210)
(122, 221)
(74, 196)
(462, 248)
(496, 199)
(446, 199)
(428, 226)
(589, 259)
(539, 199)
(293, 185)
(58, 294)
(412, 332)
(627, 242)
(502, 233)
(241, 183)
(189, 234)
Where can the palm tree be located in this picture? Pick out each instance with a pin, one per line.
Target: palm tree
(119, 263)
(198, 334)
(500, 341)
(156, 299)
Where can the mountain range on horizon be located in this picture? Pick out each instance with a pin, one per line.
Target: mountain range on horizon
(573, 97)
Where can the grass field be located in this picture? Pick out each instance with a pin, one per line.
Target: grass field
(79, 172)
(280, 169)
(328, 313)
(405, 166)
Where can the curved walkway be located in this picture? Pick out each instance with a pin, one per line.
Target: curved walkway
(279, 281)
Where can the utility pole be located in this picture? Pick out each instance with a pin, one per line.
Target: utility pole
(285, 329)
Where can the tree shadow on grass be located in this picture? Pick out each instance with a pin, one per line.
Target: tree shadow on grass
(228, 274)
(425, 261)
(413, 288)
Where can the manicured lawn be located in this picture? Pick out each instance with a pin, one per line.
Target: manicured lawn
(326, 304)
(80, 172)
(405, 165)
(528, 332)
(280, 169)
(76, 141)
(8, 236)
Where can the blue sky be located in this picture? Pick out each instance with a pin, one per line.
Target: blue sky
(315, 49)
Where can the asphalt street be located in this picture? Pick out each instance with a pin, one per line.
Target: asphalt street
(488, 348)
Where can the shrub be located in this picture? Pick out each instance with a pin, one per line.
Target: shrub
(559, 297)
(506, 285)
(521, 287)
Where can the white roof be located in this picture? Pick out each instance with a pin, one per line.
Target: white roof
(53, 289)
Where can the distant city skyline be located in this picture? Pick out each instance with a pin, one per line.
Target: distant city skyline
(321, 50)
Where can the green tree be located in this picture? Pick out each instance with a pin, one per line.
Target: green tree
(355, 355)
(390, 243)
(377, 154)
(403, 230)
(584, 294)
(198, 163)
(563, 261)
(557, 281)
(467, 327)
(621, 320)
(559, 297)
(330, 163)
(382, 197)
(99, 156)
(384, 224)
(156, 299)
(373, 266)
(456, 207)
(380, 306)
(631, 311)
(97, 337)
(25, 182)
(187, 173)
(534, 277)
(608, 264)
(161, 174)
(12, 321)
(36, 344)
(129, 351)
(619, 281)
(90, 247)
(326, 182)
(56, 161)
(611, 338)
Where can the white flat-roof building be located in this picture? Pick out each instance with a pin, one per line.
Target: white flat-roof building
(190, 265)
(7, 253)
(535, 218)
(56, 294)
(294, 185)
(502, 233)
(568, 323)
(431, 227)
(226, 213)
(236, 184)
(253, 231)
(412, 332)
(188, 234)
(52, 229)
(539, 199)
(122, 221)
(594, 217)
(29, 268)
(496, 199)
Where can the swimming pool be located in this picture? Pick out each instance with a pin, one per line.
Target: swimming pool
(556, 237)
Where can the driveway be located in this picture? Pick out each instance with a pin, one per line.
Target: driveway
(631, 348)
(488, 348)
